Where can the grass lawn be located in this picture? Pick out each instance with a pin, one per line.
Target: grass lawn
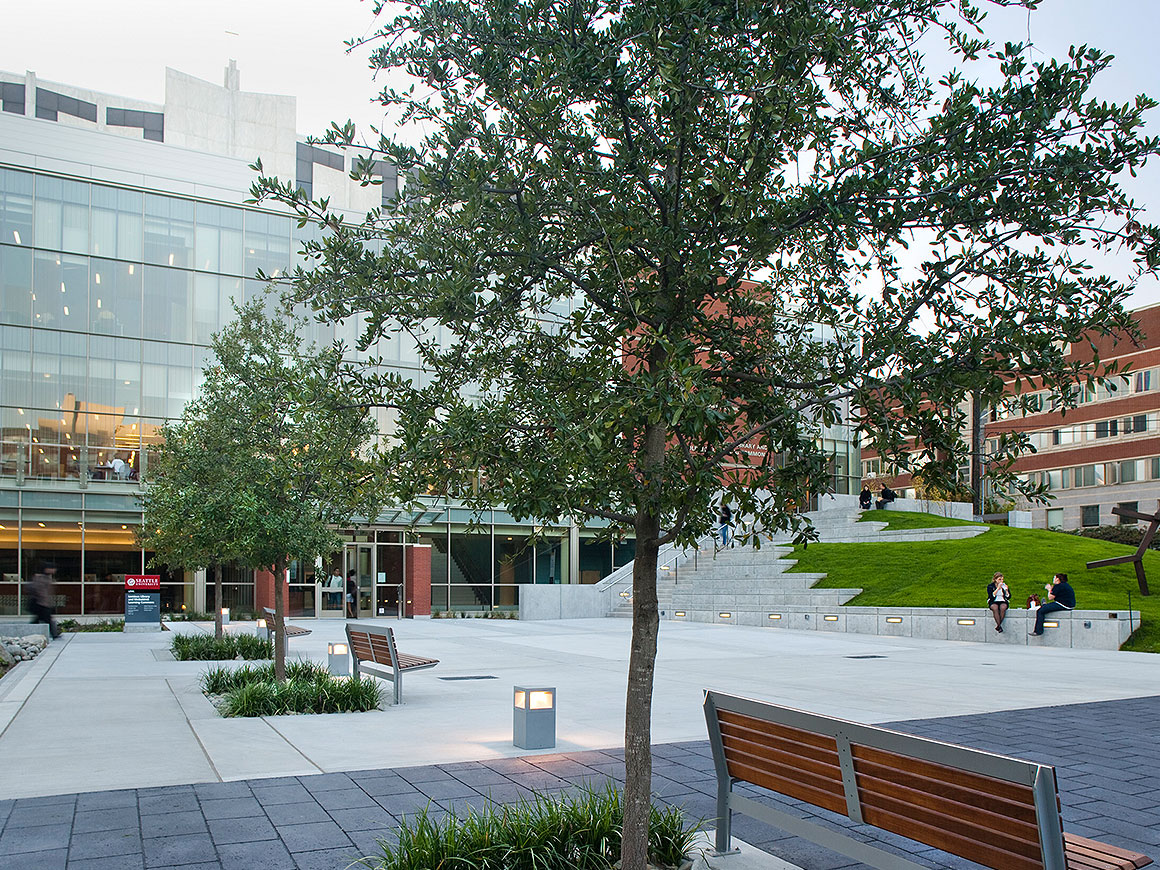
(911, 520)
(956, 573)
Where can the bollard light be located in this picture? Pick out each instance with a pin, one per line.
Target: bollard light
(338, 659)
(259, 627)
(225, 616)
(534, 723)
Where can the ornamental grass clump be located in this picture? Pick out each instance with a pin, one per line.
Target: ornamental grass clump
(207, 648)
(573, 832)
(252, 691)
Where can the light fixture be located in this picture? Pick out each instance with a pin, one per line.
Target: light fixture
(830, 618)
(678, 613)
(97, 278)
(966, 622)
(16, 235)
(1051, 625)
(534, 717)
(894, 620)
(724, 614)
(338, 659)
(225, 616)
(775, 616)
(171, 259)
(131, 267)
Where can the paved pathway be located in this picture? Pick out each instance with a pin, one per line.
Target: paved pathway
(1105, 754)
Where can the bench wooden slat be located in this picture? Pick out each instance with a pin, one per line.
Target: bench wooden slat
(1014, 793)
(1102, 855)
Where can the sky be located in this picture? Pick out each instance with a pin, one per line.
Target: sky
(296, 47)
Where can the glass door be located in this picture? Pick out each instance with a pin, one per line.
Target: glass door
(389, 577)
(332, 588)
(360, 560)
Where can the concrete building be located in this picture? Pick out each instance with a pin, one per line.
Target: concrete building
(124, 234)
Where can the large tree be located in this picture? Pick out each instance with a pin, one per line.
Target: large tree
(647, 249)
(283, 454)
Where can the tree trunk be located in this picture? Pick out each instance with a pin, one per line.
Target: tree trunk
(978, 439)
(638, 709)
(217, 597)
(279, 623)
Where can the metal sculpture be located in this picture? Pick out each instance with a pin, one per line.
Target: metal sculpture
(1136, 558)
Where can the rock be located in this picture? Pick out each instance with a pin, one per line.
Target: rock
(6, 657)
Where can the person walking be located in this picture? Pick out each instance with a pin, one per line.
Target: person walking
(726, 524)
(1060, 596)
(352, 595)
(43, 599)
(998, 599)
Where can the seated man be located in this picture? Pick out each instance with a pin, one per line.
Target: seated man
(887, 496)
(1060, 596)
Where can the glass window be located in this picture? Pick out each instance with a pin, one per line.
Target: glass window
(62, 214)
(15, 285)
(267, 244)
(1143, 381)
(115, 298)
(60, 291)
(1084, 475)
(117, 223)
(15, 208)
(1133, 506)
(168, 303)
(1129, 471)
(168, 231)
(514, 558)
(218, 239)
(1055, 518)
(1090, 514)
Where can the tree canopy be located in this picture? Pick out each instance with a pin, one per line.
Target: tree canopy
(268, 461)
(648, 249)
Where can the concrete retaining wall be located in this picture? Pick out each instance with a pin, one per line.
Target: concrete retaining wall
(22, 629)
(566, 601)
(1078, 629)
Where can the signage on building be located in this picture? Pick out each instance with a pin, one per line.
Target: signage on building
(143, 582)
(143, 599)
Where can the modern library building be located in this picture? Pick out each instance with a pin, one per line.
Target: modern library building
(124, 236)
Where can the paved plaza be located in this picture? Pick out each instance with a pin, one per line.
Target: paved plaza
(110, 757)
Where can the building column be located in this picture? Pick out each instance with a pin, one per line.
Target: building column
(199, 596)
(417, 581)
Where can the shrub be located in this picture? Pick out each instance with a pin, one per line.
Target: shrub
(309, 688)
(101, 625)
(1128, 534)
(207, 648)
(580, 831)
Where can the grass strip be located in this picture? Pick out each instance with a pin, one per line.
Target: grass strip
(207, 648)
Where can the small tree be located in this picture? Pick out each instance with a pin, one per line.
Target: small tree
(288, 449)
(597, 180)
(189, 518)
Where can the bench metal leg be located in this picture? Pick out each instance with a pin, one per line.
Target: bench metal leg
(724, 817)
(397, 687)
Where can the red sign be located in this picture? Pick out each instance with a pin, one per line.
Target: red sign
(143, 582)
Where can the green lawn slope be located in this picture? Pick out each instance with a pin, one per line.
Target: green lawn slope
(956, 573)
(911, 520)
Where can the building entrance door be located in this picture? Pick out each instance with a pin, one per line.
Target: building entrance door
(360, 558)
(332, 595)
(389, 597)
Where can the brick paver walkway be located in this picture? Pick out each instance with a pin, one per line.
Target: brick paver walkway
(1105, 753)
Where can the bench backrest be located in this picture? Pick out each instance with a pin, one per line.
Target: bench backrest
(373, 644)
(992, 809)
(271, 619)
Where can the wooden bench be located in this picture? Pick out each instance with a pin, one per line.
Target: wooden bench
(994, 810)
(290, 630)
(375, 653)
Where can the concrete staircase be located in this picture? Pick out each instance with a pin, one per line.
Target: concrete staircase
(742, 579)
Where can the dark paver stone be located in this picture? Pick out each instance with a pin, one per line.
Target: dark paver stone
(231, 808)
(326, 782)
(54, 859)
(296, 814)
(105, 820)
(362, 818)
(184, 849)
(156, 805)
(392, 784)
(98, 844)
(53, 814)
(313, 836)
(325, 859)
(288, 793)
(222, 790)
(103, 800)
(264, 855)
(244, 830)
(444, 790)
(344, 799)
(111, 862)
(173, 824)
(39, 838)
